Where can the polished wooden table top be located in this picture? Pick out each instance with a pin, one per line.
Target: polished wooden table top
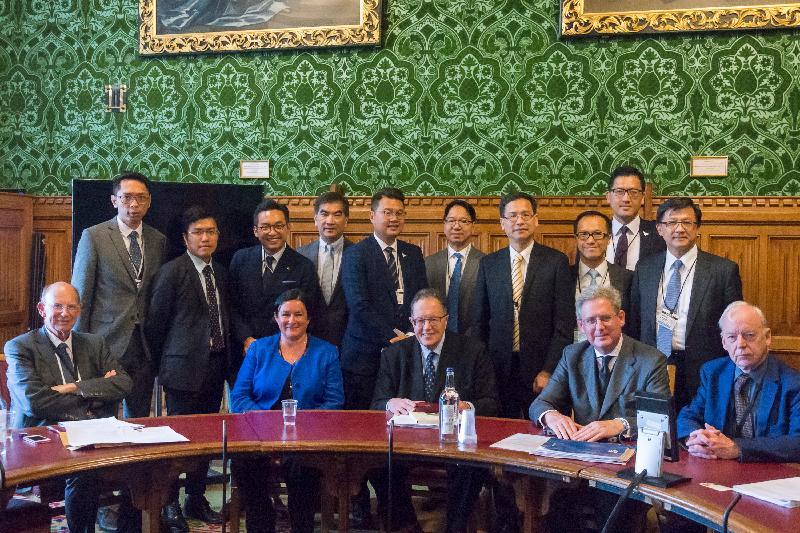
(366, 433)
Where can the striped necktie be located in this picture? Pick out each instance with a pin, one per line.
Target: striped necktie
(517, 278)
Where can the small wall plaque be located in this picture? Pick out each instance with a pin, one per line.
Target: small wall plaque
(709, 166)
(254, 170)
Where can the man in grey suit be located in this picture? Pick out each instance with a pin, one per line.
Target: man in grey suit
(454, 270)
(56, 374)
(596, 380)
(331, 212)
(114, 265)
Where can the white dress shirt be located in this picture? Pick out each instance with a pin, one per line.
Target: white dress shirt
(199, 264)
(451, 264)
(689, 260)
(634, 241)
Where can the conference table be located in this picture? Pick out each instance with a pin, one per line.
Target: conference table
(345, 444)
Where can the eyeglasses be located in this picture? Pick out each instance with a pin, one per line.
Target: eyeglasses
(596, 235)
(459, 221)
(71, 308)
(593, 320)
(524, 216)
(673, 224)
(264, 228)
(633, 194)
(199, 232)
(128, 199)
(748, 336)
(432, 320)
(391, 213)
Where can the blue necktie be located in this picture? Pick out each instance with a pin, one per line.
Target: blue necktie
(453, 294)
(66, 363)
(664, 335)
(430, 378)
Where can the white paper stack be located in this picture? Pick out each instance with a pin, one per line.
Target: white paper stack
(417, 420)
(521, 442)
(112, 432)
(784, 492)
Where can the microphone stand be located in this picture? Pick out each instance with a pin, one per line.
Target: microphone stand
(625, 495)
(727, 514)
(389, 479)
(224, 508)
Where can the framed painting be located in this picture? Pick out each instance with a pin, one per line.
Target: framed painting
(609, 17)
(206, 26)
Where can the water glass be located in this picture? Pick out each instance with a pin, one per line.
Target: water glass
(289, 412)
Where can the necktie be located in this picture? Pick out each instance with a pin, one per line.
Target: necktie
(453, 294)
(430, 378)
(266, 276)
(66, 363)
(390, 259)
(593, 274)
(742, 400)
(605, 372)
(217, 341)
(516, 294)
(326, 280)
(135, 252)
(664, 334)
(621, 251)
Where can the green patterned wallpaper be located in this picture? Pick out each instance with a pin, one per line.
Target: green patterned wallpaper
(466, 97)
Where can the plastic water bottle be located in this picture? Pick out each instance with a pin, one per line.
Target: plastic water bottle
(448, 409)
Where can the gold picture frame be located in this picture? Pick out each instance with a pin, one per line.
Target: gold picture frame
(179, 27)
(615, 17)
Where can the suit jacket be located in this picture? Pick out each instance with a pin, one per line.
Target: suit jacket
(331, 317)
(33, 368)
(777, 411)
(619, 277)
(716, 284)
(111, 304)
(178, 323)
(252, 303)
(436, 266)
(371, 301)
(401, 373)
(651, 242)
(574, 385)
(547, 313)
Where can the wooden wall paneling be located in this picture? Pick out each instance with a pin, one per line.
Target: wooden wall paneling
(16, 228)
(743, 250)
(782, 302)
(52, 216)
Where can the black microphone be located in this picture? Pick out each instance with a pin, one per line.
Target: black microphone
(625, 495)
(389, 478)
(224, 474)
(727, 514)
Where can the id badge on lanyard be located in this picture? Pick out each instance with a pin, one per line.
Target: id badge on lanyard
(399, 295)
(667, 318)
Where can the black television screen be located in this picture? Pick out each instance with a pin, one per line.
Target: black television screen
(232, 205)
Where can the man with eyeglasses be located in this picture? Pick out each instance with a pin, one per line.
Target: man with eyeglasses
(260, 273)
(114, 267)
(413, 370)
(454, 270)
(55, 375)
(188, 327)
(525, 306)
(592, 231)
(633, 238)
(331, 212)
(380, 275)
(675, 295)
(594, 382)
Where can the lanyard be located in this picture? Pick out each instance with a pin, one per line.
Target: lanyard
(664, 290)
(740, 423)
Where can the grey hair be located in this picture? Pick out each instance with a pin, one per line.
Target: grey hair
(48, 289)
(733, 306)
(597, 293)
(422, 294)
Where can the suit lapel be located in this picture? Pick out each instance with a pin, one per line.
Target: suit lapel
(621, 374)
(614, 277)
(150, 257)
(769, 390)
(116, 240)
(46, 352)
(702, 276)
(439, 272)
(194, 281)
(589, 370)
(79, 359)
(417, 376)
(650, 279)
(379, 261)
(534, 264)
(447, 359)
(722, 397)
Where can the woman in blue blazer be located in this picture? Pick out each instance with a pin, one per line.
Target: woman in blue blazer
(291, 364)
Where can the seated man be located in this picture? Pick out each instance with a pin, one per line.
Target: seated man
(596, 380)
(748, 404)
(56, 374)
(413, 370)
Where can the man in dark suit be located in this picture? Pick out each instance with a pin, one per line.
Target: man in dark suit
(675, 295)
(525, 304)
(595, 381)
(188, 326)
(413, 370)
(453, 271)
(633, 238)
(592, 231)
(260, 273)
(54, 375)
(748, 405)
(114, 266)
(331, 212)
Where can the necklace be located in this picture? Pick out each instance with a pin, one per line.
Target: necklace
(290, 357)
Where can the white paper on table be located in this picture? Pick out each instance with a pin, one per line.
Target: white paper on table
(417, 420)
(784, 492)
(110, 432)
(99, 422)
(521, 442)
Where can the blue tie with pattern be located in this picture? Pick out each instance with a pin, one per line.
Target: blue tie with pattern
(664, 335)
(430, 378)
(453, 295)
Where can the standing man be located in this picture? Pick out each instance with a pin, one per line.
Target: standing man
(525, 303)
(633, 238)
(330, 218)
(114, 266)
(454, 270)
(675, 295)
(591, 269)
(262, 272)
(56, 374)
(189, 330)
